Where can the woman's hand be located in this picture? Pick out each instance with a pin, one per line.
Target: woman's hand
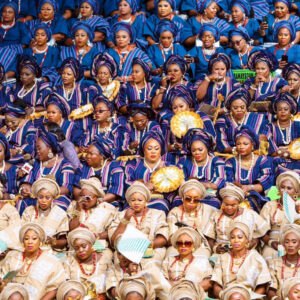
(150, 186)
(264, 26)
(258, 79)
(129, 213)
(4, 129)
(213, 77)
(133, 145)
(164, 81)
(220, 249)
(177, 146)
(132, 268)
(25, 190)
(282, 64)
(286, 88)
(157, 71)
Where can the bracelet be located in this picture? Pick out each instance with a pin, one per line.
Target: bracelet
(253, 88)
(132, 151)
(206, 78)
(124, 221)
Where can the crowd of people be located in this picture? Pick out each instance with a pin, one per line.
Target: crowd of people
(149, 149)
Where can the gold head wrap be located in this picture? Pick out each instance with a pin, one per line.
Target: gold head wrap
(138, 187)
(69, 285)
(190, 185)
(292, 176)
(288, 228)
(241, 226)
(231, 190)
(36, 228)
(189, 231)
(81, 233)
(93, 185)
(12, 288)
(186, 289)
(288, 284)
(48, 183)
(235, 288)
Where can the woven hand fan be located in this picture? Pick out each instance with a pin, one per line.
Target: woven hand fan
(294, 149)
(296, 117)
(167, 179)
(183, 121)
(81, 112)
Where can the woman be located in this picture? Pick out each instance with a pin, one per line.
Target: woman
(252, 172)
(290, 288)
(5, 63)
(48, 162)
(216, 86)
(263, 84)
(14, 291)
(237, 104)
(186, 289)
(185, 265)
(273, 212)
(209, 35)
(40, 272)
(126, 50)
(231, 211)
(240, 39)
(150, 221)
(202, 165)
(51, 217)
(235, 290)
(286, 266)
(86, 265)
(165, 32)
(71, 290)
(240, 265)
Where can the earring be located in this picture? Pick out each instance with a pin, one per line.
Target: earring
(50, 154)
(230, 246)
(275, 116)
(299, 251)
(247, 245)
(193, 250)
(110, 80)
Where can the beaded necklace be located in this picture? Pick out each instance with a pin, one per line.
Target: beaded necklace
(7, 27)
(286, 49)
(94, 266)
(203, 168)
(195, 216)
(248, 171)
(184, 270)
(162, 49)
(283, 267)
(203, 53)
(241, 56)
(137, 223)
(123, 58)
(43, 168)
(239, 264)
(28, 263)
(22, 93)
(36, 51)
(288, 133)
(222, 215)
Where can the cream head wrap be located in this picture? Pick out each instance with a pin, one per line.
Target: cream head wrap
(36, 228)
(189, 231)
(241, 226)
(186, 289)
(292, 176)
(69, 285)
(138, 187)
(93, 185)
(231, 190)
(12, 288)
(288, 284)
(48, 183)
(81, 233)
(235, 288)
(288, 228)
(190, 185)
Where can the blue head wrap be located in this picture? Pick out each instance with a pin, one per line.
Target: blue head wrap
(27, 61)
(156, 135)
(197, 134)
(288, 3)
(102, 99)
(74, 65)
(132, 4)
(144, 66)
(165, 25)
(2, 73)
(219, 57)
(51, 2)
(104, 59)
(171, 2)
(240, 31)
(262, 56)
(287, 98)
(104, 146)
(16, 111)
(211, 28)
(290, 68)
(13, 4)
(238, 94)
(60, 102)
(84, 26)
(5, 144)
(46, 28)
(248, 132)
(141, 108)
(50, 139)
(180, 91)
(284, 24)
(126, 27)
(203, 4)
(93, 4)
(176, 60)
(243, 5)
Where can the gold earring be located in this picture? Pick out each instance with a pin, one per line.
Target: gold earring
(247, 245)
(193, 250)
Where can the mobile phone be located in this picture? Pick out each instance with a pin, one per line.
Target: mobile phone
(226, 247)
(284, 58)
(265, 19)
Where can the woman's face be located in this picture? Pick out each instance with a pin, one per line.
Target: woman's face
(237, 14)
(54, 114)
(199, 151)
(138, 74)
(288, 187)
(93, 157)
(31, 241)
(42, 150)
(281, 10)
(208, 39)
(2, 153)
(101, 113)
(179, 105)
(230, 206)
(166, 39)
(238, 108)
(140, 121)
(47, 12)
(68, 77)
(236, 296)
(73, 295)
(175, 73)
(219, 68)
(86, 10)
(238, 240)
(262, 69)
(137, 202)
(294, 293)
(83, 249)
(124, 8)
(44, 198)
(294, 81)
(164, 9)
(8, 14)
(124, 262)
(244, 146)
(88, 199)
(291, 243)
(238, 42)
(103, 75)
(283, 111)
(284, 37)
(41, 37)
(191, 200)
(211, 10)
(16, 296)
(11, 122)
(122, 39)
(185, 245)
(152, 151)
(27, 77)
(81, 38)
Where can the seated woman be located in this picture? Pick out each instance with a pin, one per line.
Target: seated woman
(209, 35)
(165, 33)
(263, 84)
(186, 265)
(40, 272)
(47, 57)
(86, 265)
(237, 104)
(235, 290)
(253, 173)
(273, 212)
(139, 89)
(240, 265)
(202, 165)
(70, 290)
(290, 288)
(48, 162)
(5, 91)
(126, 50)
(286, 266)
(13, 290)
(241, 50)
(217, 228)
(150, 221)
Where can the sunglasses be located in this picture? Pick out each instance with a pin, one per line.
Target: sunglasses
(190, 199)
(88, 198)
(184, 244)
(236, 42)
(100, 111)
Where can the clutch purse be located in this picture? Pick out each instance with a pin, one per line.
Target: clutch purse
(81, 112)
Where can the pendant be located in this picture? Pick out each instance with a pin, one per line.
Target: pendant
(89, 268)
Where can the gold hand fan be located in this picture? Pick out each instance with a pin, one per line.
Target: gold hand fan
(294, 149)
(183, 121)
(167, 179)
(81, 112)
(296, 117)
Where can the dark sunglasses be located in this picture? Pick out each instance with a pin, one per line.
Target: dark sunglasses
(195, 200)
(184, 244)
(236, 42)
